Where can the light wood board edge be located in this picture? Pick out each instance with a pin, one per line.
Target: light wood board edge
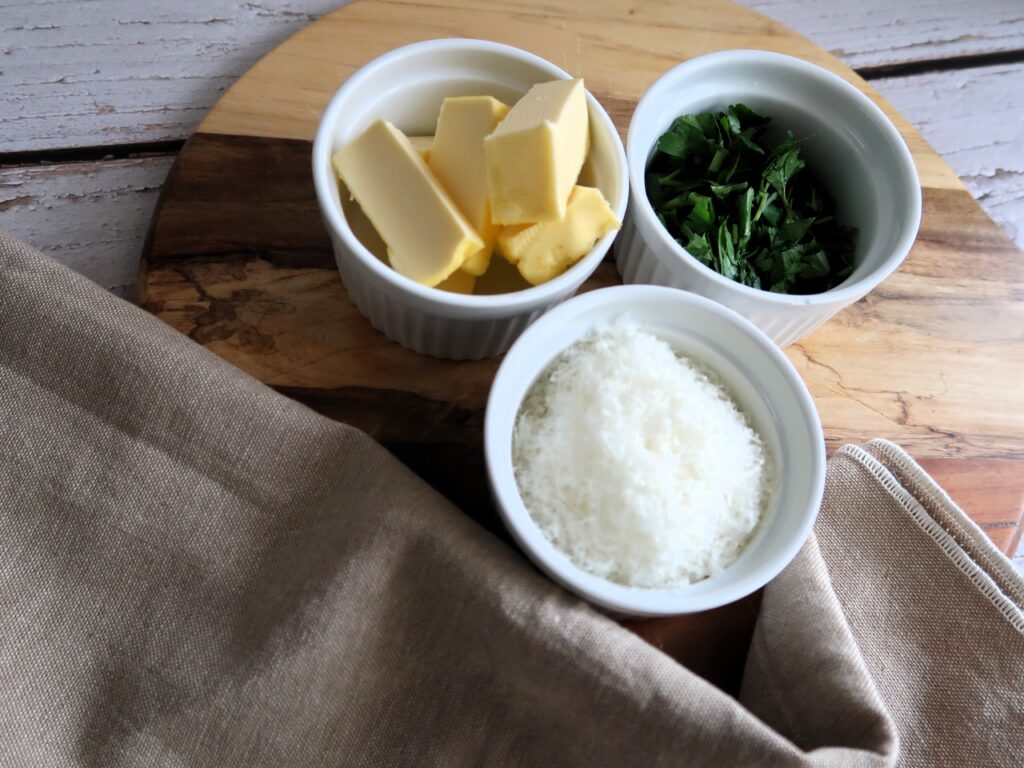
(284, 94)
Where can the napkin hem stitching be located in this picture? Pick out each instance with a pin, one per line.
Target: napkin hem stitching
(968, 535)
(945, 541)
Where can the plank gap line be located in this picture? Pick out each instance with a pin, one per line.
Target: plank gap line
(948, 64)
(92, 154)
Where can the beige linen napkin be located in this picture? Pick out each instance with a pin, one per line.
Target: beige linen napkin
(195, 570)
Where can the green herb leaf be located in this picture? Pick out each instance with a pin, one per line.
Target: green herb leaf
(702, 208)
(745, 207)
(722, 190)
(780, 171)
(744, 204)
(793, 231)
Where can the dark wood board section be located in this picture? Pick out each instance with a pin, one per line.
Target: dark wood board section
(237, 259)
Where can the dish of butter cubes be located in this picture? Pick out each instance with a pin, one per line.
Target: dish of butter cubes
(491, 179)
(467, 186)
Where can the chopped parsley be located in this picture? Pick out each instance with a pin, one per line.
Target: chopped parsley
(750, 211)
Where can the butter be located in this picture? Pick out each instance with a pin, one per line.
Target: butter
(459, 282)
(422, 145)
(535, 154)
(457, 160)
(544, 251)
(427, 237)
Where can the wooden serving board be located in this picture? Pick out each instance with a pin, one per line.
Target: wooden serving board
(237, 258)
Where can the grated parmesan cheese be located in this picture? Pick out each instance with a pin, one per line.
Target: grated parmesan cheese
(637, 464)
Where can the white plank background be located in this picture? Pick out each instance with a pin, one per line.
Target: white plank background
(92, 216)
(110, 73)
(868, 34)
(974, 118)
(122, 71)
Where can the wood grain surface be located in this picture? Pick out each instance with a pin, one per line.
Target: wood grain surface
(97, 85)
(283, 95)
(253, 279)
(238, 260)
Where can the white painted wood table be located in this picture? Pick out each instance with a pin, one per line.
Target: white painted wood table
(97, 97)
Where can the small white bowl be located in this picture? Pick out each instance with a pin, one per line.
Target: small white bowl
(757, 374)
(853, 147)
(407, 87)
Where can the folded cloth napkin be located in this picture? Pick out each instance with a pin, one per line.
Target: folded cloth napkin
(195, 570)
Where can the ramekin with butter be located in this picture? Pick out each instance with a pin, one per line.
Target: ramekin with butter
(470, 167)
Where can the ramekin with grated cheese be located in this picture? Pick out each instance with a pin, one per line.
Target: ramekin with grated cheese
(637, 464)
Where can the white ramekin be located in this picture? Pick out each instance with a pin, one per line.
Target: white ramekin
(407, 86)
(763, 382)
(849, 142)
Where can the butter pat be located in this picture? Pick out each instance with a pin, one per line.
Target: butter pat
(422, 145)
(427, 237)
(457, 160)
(535, 154)
(544, 251)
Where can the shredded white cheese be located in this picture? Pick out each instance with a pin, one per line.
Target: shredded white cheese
(637, 464)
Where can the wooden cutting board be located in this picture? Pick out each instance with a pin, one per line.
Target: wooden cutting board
(238, 259)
